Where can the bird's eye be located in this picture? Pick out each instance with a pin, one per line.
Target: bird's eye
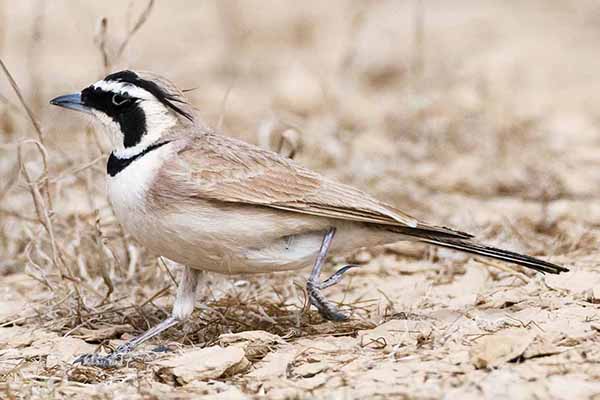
(119, 100)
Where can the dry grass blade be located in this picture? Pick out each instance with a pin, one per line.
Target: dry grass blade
(15, 87)
(136, 27)
(522, 277)
(41, 207)
(101, 38)
(108, 255)
(76, 170)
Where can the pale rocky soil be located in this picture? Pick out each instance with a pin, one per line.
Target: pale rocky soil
(488, 123)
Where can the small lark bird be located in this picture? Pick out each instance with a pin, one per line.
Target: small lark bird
(215, 203)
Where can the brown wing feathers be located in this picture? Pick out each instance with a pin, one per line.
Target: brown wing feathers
(233, 171)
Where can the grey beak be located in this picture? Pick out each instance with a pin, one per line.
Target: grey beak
(70, 101)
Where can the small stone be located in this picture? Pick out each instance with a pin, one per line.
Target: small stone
(497, 349)
(309, 370)
(203, 364)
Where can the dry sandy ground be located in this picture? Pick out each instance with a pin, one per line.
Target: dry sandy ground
(482, 115)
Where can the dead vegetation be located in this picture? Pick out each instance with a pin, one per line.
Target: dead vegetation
(478, 115)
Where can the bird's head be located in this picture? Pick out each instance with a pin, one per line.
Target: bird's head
(136, 108)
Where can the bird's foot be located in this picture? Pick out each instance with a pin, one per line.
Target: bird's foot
(117, 358)
(327, 309)
(112, 360)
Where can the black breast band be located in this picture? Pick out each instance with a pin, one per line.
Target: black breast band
(116, 165)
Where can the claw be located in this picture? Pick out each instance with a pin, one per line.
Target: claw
(337, 276)
(327, 309)
(113, 360)
(124, 348)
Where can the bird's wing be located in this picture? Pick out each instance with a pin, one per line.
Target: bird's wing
(215, 167)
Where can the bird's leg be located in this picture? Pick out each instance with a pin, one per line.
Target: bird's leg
(314, 285)
(182, 309)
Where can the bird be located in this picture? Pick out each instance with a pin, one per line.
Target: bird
(215, 203)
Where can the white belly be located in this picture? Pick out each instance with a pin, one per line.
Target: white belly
(246, 239)
(240, 239)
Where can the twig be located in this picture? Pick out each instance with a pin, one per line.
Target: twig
(45, 177)
(75, 170)
(101, 38)
(524, 278)
(108, 254)
(15, 87)
(140, 22)
(162, 261)
(38, 201)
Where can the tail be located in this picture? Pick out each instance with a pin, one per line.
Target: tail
(469, 246)
(461, 241)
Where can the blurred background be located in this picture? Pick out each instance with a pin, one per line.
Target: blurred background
(481, 115)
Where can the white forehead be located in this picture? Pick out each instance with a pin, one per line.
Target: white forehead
(122, 87)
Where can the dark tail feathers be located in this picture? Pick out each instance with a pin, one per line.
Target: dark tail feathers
(468, 246)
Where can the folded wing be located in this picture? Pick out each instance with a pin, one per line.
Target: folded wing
(219, 168)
